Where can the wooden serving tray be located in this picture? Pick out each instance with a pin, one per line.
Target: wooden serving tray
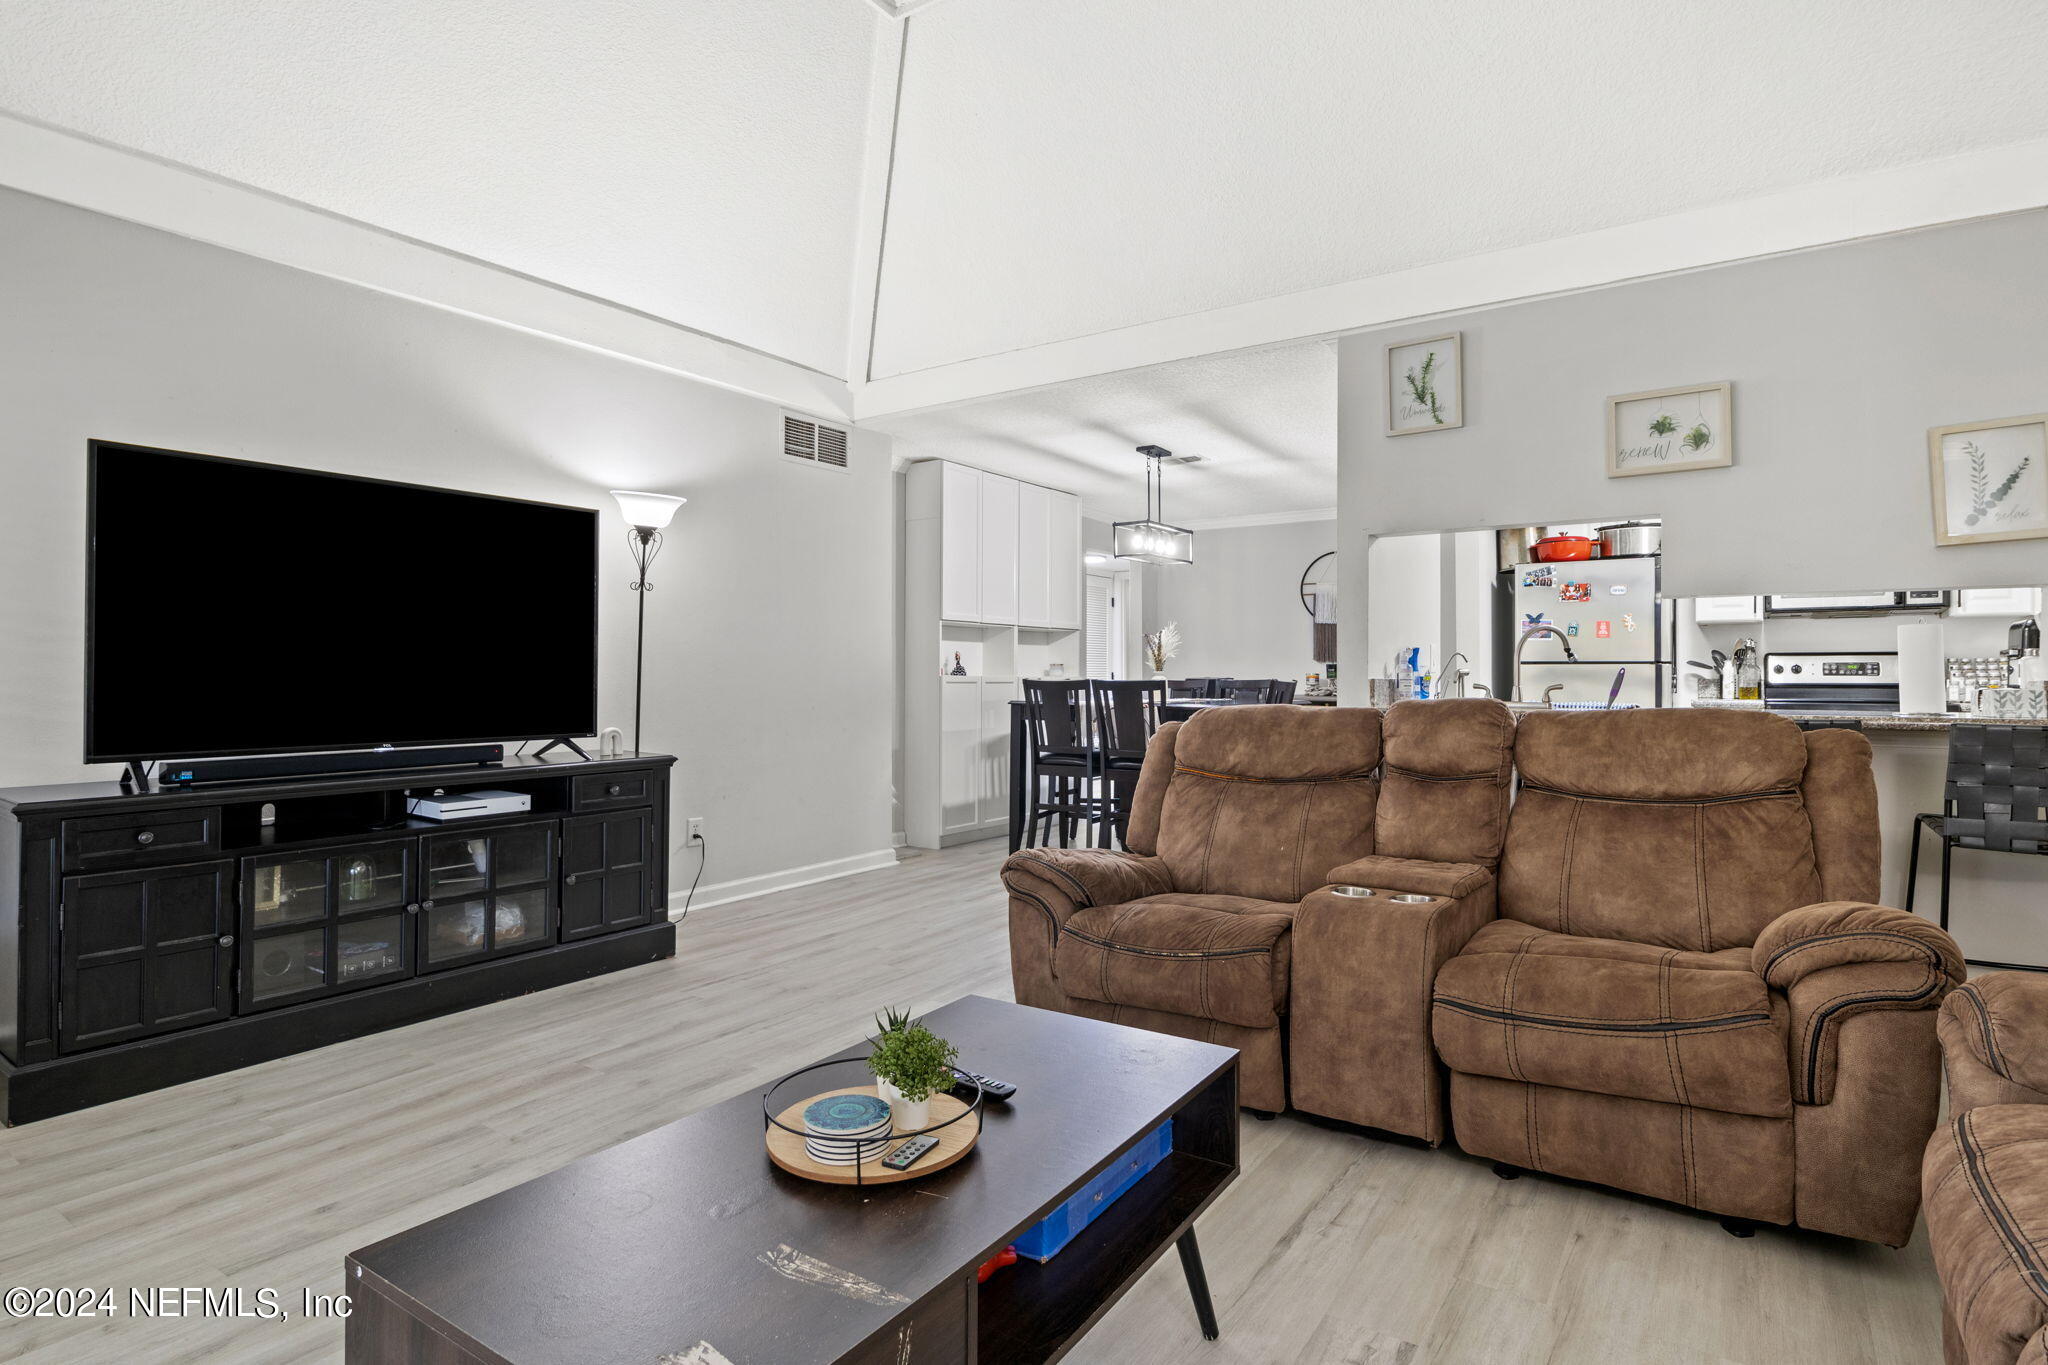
(786, 1149)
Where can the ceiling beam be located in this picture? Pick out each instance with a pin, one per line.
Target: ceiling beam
(81, 171)
(1973, 185)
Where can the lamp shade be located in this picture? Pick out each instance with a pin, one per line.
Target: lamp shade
(652, 510)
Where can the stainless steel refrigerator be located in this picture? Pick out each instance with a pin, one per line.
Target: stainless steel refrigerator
(1608, 609)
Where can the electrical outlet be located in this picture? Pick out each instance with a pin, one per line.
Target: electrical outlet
(696, 829)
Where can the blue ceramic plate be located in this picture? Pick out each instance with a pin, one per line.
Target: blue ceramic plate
(846, 1115)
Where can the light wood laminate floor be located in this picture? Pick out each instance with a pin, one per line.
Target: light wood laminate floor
(1332, 1247)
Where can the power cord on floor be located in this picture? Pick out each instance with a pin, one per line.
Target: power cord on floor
(703, 857)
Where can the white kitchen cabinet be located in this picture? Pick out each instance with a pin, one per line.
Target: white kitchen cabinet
(998, 550)
(1063, 557)
(2014, 602)
(959, 542)
(992, 799)
(992, 575)
(1034, 563)
(961, 779)
(1710, 611)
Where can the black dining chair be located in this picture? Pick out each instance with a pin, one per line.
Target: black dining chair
(1281, 692)
(1058, 748)
(1126, 713)
(1186, 689)
(1996, 799)
(1251, 691)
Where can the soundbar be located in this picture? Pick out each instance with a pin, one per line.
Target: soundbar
(262, 766)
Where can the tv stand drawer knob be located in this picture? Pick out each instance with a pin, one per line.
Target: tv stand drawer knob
(570, 880)
(144, 836)
(613, 790)
(227, 940)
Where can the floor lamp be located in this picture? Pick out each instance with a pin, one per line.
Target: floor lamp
(646, 514)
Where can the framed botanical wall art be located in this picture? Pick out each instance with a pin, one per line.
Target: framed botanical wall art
(1426, 385)
(1662, 431)
(1990, 480)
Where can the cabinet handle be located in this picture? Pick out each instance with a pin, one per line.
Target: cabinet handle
(426, 905)
(227, 940)
(144, 837)
(569, 880)
(613, 790)
(413, 908)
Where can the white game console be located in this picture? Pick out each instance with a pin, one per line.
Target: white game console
(467, 805)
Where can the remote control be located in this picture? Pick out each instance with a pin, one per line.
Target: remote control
(990, 1086)
(906, 1155)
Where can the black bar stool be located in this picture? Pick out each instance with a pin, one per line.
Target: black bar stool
(1997, 799)
(1062, 763)
(1126, 714)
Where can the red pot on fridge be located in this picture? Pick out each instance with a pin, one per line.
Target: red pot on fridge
(1557, 549)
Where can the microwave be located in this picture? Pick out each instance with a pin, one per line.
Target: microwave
(1869, 603)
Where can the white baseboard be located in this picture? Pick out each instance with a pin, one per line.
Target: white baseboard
(746, 888)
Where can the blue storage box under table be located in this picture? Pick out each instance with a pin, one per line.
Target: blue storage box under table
(1045, 1238)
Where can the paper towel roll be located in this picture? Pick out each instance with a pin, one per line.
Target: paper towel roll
(1923, 669)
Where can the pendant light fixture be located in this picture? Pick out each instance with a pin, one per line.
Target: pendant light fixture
(1153, 541)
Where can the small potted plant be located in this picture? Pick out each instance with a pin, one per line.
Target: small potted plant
(910, 1062)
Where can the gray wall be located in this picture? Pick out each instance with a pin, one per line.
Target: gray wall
(1841, 358)
(769, 633)
(1239, 604)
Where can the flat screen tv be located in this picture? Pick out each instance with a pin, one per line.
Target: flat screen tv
(243, 608)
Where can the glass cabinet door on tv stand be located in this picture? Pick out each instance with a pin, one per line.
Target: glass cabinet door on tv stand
(319, 922)
(486, 894)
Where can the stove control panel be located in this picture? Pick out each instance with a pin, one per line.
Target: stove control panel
(1831, 670)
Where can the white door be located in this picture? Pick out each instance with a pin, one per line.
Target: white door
(959, 543)
(1034, 506)
(1063, 561)
(1097, 633)
(998, 550)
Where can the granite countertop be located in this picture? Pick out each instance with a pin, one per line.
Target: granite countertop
(1922, 721)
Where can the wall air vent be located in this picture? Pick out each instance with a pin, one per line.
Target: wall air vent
(813, 442)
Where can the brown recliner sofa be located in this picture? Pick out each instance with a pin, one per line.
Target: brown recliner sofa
(1688, 994)
(1238, 818)
(1985, 1175)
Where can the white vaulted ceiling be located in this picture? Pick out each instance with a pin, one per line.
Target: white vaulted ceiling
(1069, 167)
(968, 203)
(699, 162)
(1264, 423)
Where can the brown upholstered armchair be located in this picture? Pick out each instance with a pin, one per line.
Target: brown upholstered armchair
(1985, 1174)
(1238, 817)
(1688, 994)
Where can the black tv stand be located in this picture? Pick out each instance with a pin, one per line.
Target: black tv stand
(564, 742)
(150, 937)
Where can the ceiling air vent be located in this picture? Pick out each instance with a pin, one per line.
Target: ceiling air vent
(813, 442)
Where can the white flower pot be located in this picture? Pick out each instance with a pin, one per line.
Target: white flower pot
(904, 1116)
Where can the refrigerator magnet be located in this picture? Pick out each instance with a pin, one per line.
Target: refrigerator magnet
(1618, 589)
(1603, 629)
(1628, 622)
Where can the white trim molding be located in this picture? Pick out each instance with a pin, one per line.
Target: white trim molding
(89, 174)
(1979, 184)
(746, 888)
(1259, 519)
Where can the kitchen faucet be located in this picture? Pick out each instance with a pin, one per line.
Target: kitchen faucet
(1523, 643)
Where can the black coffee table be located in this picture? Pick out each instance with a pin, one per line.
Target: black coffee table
(687, 1245)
